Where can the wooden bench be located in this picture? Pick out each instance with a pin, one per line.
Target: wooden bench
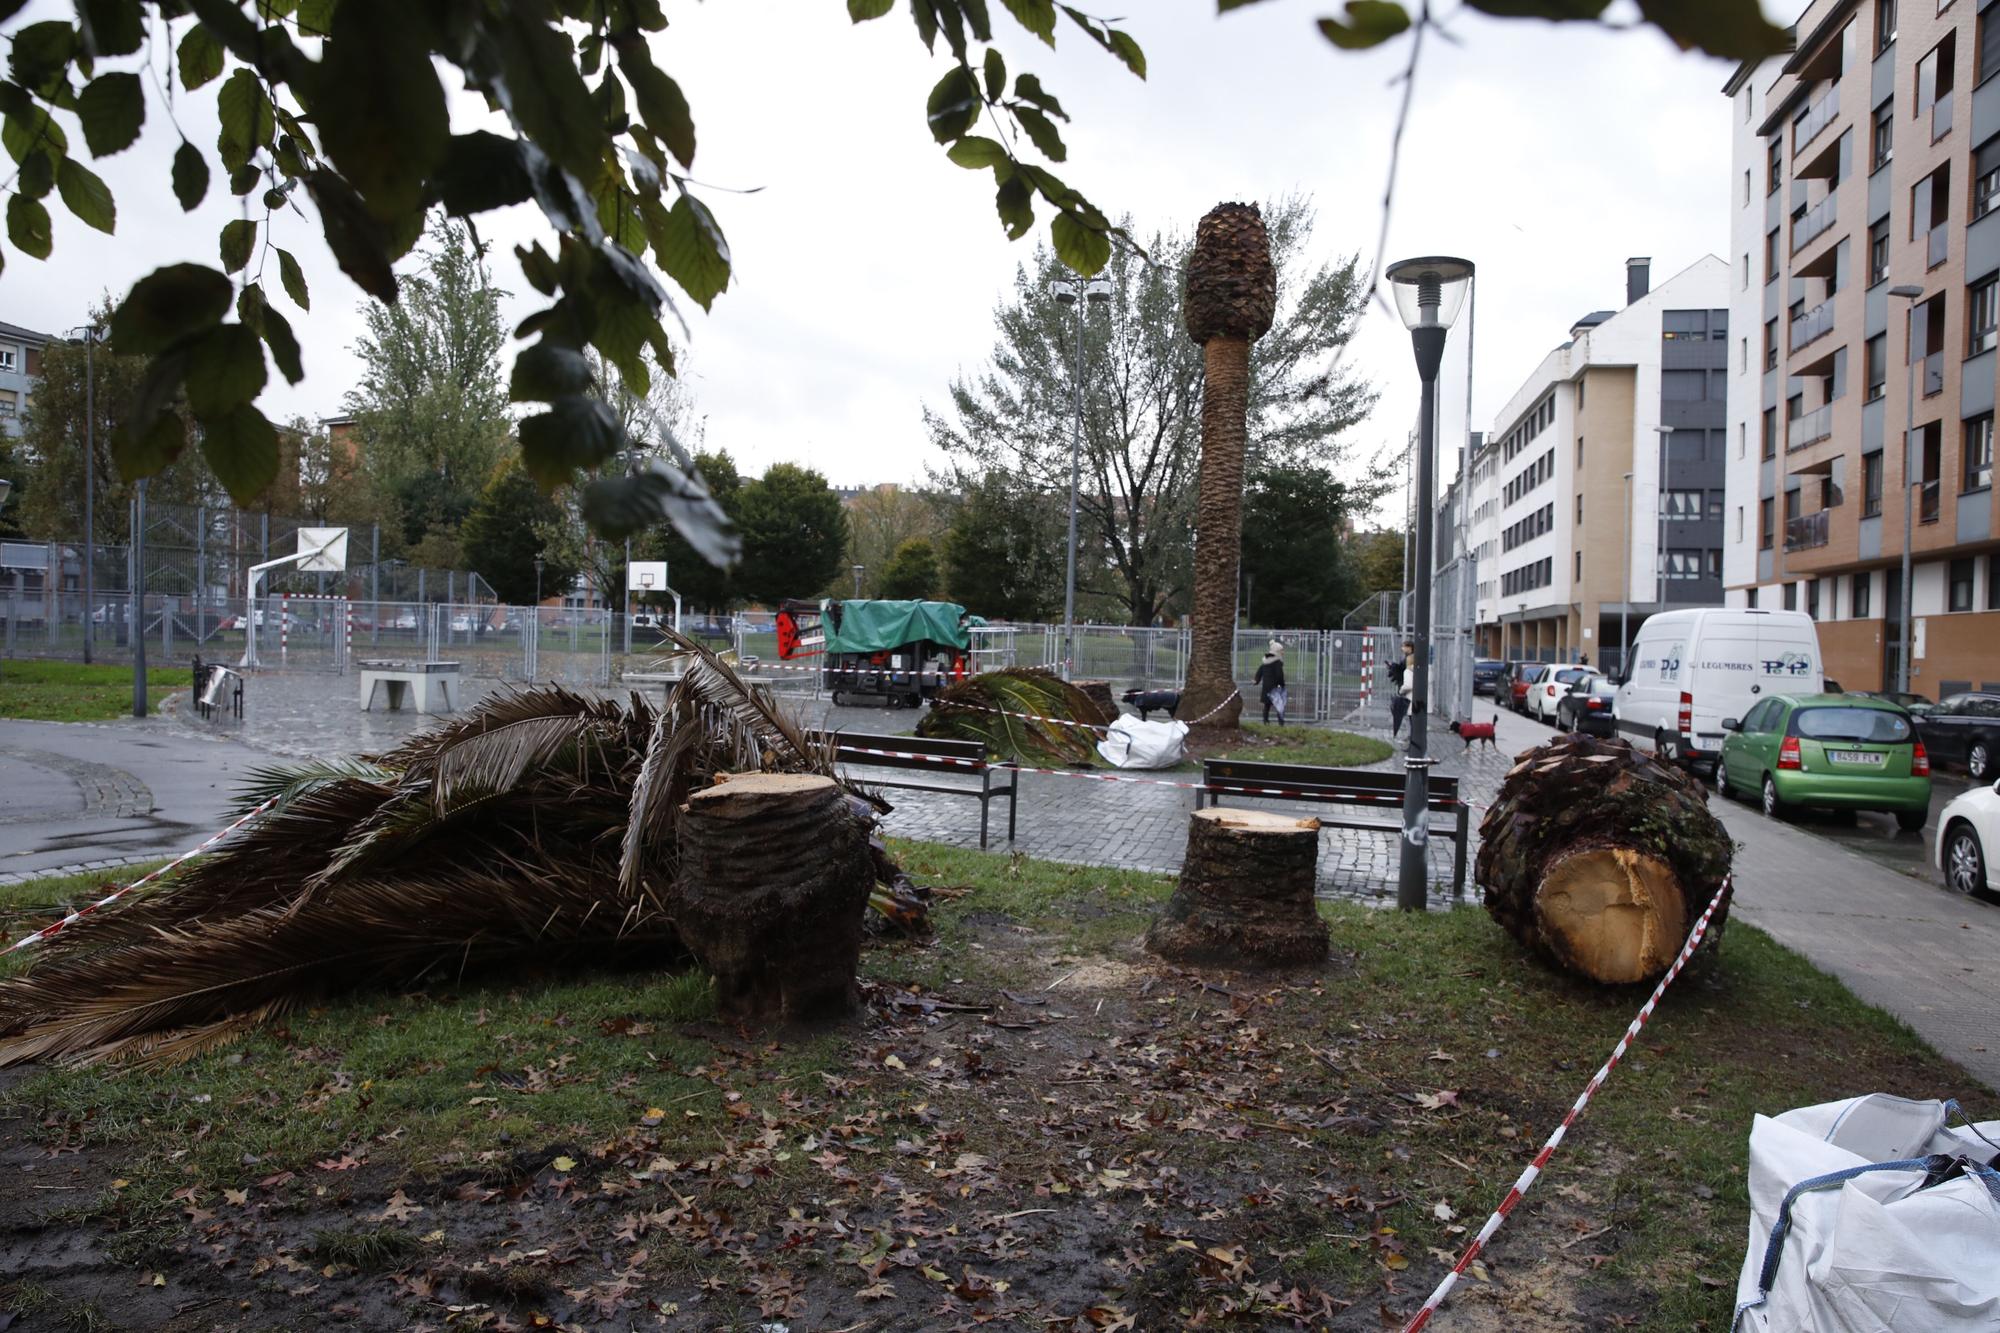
(419, 680)
(1343, 786)
(915, 754)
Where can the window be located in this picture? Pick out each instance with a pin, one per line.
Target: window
(1791, 596)
(1746, 187)
(1958, 596)
(1766, 511)
(1770, 432)
(6, 358)
(1715, 499)
(1982, 316)
(1986, 59)
(1875, 359)
(7, 403)
(1882, 143)
(1579, 567)
(1934, 84)
(1878, 251)
(1985, 177)
(1976, 451)
(1863, 585)
(1774, 164)
(1750, 599)
(1812, 598)
(1771, 264)
(1739, 523)
(1742, 440)
(1993, 582)
(1579, 391)
(1746, 272)
(1871, 484)
(1885, 25)
(1579, 511)
(1771, 344)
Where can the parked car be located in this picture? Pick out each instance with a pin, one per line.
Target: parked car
(1486, 674)
(1968, 841)
(1965, 729)
(1913, 704)
(1590, 704)
(1550, 687)
(1829, 752)
(1691, 669)
(1520, 679)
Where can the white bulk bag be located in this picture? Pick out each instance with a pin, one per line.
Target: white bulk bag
(1131, 743)
(1845, 1237)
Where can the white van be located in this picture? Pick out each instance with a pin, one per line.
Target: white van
(1691, 669)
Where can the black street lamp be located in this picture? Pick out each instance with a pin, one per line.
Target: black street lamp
(1429, 292)
(538, 589)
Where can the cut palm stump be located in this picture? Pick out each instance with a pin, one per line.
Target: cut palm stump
(774, 876)
(1245, 896)
(1600, 857)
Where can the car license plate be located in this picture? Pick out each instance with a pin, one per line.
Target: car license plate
(1867, 758)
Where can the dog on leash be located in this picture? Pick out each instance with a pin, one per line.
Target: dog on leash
(1476, 731)
(1167, 701)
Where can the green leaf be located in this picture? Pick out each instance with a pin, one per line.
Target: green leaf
(661, 104)
(1083, 248)
(1369, 23)
(996, 74)
(316, 17)
(294, 279)
(85, 194)
(38, 176)
(112, 27)
(1118, 43)
(620, 506)
(143, 446)
(1728, 28)
(1016, 202)
(241, 449)
(954, 105)
(112, 108)
(1029, 89)
(200, 57)
(1224, 6)
(277, 333)
(483, 171)
(28, 227)
(539, 85)
(357, 240)
(976, 151)
(225, 370)
(1041, 130)
(690, 248)
(379, 106)
(238, 239)
(33, 129)
(245, 116)
(860, 11)
(190, 176)
(1037, 16)
(548, 371)
(41, 52)
(576, 432)
(167, 305)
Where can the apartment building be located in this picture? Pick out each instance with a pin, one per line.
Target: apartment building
(1865, 179)
(20, 368)
(1597, 499)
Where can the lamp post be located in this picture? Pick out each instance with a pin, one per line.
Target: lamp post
(1660, 522)
(1429, 292)
(138, 600)
(1521, 616)
(1076, 292)
(1908, 293)
(1625, 592)
(538, 590)
(858, 571)
(90, 337)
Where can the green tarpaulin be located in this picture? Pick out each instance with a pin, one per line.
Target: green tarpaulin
(874, 626)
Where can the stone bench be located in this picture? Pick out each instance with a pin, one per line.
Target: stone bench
(426, 682)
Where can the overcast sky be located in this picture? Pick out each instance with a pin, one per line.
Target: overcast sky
(867, 267)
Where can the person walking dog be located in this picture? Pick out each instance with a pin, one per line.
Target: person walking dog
(1405, 674)
(1271, 682)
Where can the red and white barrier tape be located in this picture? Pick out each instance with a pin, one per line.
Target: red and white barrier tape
(1534, 1168)
(116, 894)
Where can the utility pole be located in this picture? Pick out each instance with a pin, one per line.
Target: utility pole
(138, 600)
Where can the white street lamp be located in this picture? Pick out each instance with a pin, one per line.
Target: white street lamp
(1097, 291)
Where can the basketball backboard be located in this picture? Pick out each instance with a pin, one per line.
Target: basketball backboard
(323, 550)
(646, 576)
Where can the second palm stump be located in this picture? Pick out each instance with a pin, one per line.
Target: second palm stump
(1245, 897)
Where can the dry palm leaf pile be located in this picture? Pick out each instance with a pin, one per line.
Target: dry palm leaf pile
(539, 826)
(1005, 709)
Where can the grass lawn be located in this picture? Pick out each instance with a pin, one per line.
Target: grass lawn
(44, 691)
(1032, 1125)
(1296, 745)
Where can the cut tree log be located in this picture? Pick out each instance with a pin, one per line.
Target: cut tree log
(1245, 897)
(1600, 857)
(774, 876)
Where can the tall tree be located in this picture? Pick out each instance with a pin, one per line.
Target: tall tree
(1003, 554)
(706, 587)
(13, 468)
(502, 537)
(430, 409)
(1142, 401)
(1232, 297)
(1295, 566)
(1378, 561)
(912, 574)
(794, 535)
(879, 522)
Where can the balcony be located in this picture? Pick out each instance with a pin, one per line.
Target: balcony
(1814, 222)
(1810, 428)
(1807, 531)
(1817, 117)
(1927, 501)
(1937, 246)
(1814, 324)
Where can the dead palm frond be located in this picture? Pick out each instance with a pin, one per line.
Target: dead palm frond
(539, 826)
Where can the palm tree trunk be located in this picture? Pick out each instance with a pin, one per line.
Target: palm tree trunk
(1211, 678)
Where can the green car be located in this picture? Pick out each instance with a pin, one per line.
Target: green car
(1830, 752)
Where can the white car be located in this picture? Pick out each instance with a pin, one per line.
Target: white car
(1969, 840)
(1546, 694)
